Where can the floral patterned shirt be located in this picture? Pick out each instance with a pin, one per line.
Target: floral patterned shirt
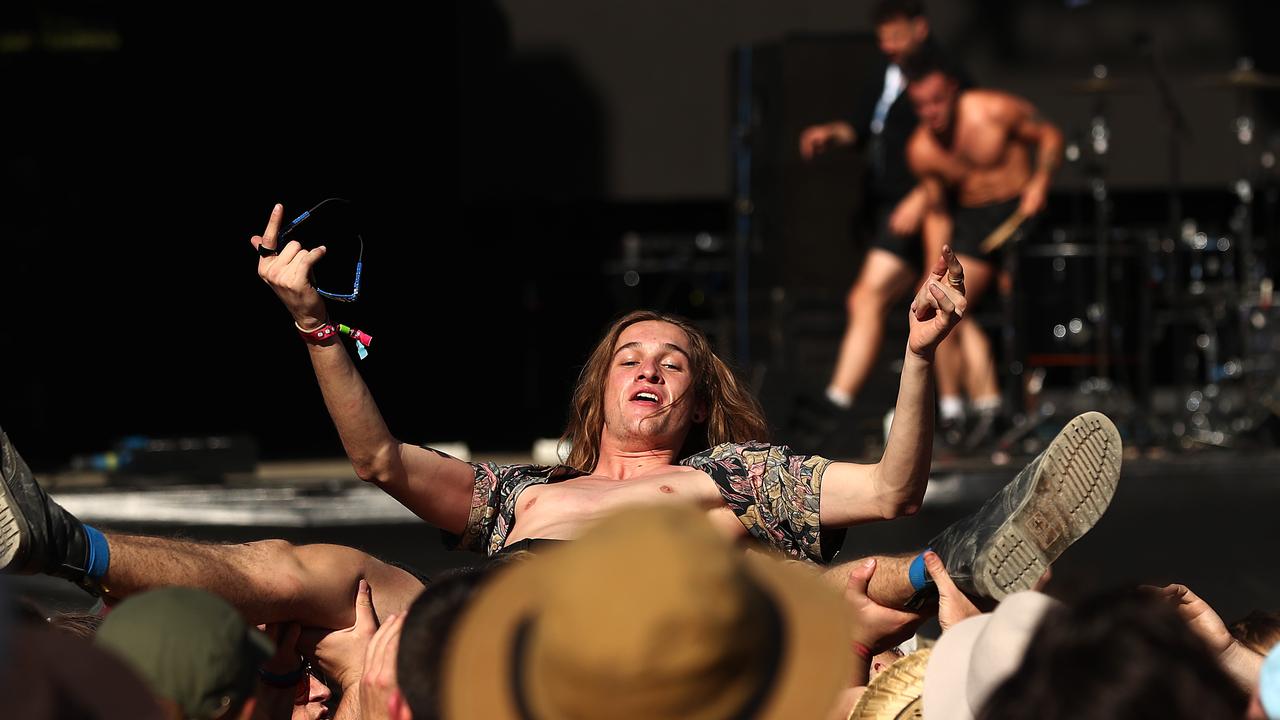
(773, 490)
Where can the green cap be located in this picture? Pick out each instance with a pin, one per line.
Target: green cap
(189, 646)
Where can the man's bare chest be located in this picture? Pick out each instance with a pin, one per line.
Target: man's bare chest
(595, 492)
(562, 509)
(974, 148)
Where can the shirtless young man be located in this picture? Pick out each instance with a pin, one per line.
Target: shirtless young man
(973, 151)
(651, 392)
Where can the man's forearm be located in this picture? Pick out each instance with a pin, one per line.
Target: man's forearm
(903, 471)
(1048, 155)
(368, 443)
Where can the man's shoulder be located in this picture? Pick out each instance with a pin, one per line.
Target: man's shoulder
(923, 148)
(748, 450)
(989, 103)
(517, 472)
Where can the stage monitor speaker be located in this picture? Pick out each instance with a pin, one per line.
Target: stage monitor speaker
(798, 223)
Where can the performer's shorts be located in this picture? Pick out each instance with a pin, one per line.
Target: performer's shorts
(970, 226)
(910, 248)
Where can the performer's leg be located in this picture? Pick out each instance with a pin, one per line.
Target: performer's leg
(979, 377)
(884, 279)
(948, 360)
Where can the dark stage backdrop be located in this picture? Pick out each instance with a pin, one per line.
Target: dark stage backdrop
(134, 172)
(498, 151)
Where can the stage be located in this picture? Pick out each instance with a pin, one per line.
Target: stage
(1199, 518)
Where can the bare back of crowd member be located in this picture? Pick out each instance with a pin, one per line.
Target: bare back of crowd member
(881, 125)
(982, 156)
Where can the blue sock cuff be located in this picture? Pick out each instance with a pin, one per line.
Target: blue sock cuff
(99, 552)
(918, 575)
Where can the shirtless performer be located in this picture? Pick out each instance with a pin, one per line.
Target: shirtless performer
(651, 392)
(973, 152)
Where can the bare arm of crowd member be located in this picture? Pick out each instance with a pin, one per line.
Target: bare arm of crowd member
(854, 493)
(435, 487)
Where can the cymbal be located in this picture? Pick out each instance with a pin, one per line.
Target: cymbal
(1242, 79)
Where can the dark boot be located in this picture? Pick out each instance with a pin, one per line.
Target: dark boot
(36, 534)
(948, 438)
(985, 429)
(1013, 538)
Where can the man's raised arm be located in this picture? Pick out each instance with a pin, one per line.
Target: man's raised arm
(853, 493)
(1028, 126)
(435, 487)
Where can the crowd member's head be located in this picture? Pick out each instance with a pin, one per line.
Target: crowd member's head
(975, 655)
(1117, 655)
(901, 28)
(652, 383)
(933, 88)
(54, 676)
(651, 614)
(1265, 703)
(192, 648)
(1259, 630)
(427, 626)
(311, 701)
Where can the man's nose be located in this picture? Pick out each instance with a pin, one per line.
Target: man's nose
(649, 371)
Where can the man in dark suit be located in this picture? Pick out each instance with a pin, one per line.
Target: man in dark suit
(881, 126)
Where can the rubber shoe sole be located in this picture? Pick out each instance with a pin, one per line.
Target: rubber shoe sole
(1074, 484)
(14, 533)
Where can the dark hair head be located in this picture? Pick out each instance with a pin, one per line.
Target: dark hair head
(1118, 655)
(427, 623)
(733, 415)
(28, 612)
(1258, 631)
(887, 10)
(926, 61)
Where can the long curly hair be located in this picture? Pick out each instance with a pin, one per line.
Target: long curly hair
(732, 413)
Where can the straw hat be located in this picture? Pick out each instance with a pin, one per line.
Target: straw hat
(895, 694)
(651, 614)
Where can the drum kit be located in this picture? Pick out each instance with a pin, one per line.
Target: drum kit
(1177, 318)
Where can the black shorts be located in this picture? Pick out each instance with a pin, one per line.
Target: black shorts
(970, 227)
(910, 248)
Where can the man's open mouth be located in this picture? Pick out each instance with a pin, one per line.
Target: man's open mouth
(645, 396)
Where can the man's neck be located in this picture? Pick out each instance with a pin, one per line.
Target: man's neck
(623, 463)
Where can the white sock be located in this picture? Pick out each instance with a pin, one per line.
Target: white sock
(987, 403)
(951, 407)
(840, 398)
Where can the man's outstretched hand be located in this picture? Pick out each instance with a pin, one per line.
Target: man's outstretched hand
(288, 271)
(938, 306)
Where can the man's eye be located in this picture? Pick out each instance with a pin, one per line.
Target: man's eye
(626, 363)
(671, 366)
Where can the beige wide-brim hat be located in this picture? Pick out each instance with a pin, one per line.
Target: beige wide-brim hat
(895, 694)
(973, 657)
(651, 614)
